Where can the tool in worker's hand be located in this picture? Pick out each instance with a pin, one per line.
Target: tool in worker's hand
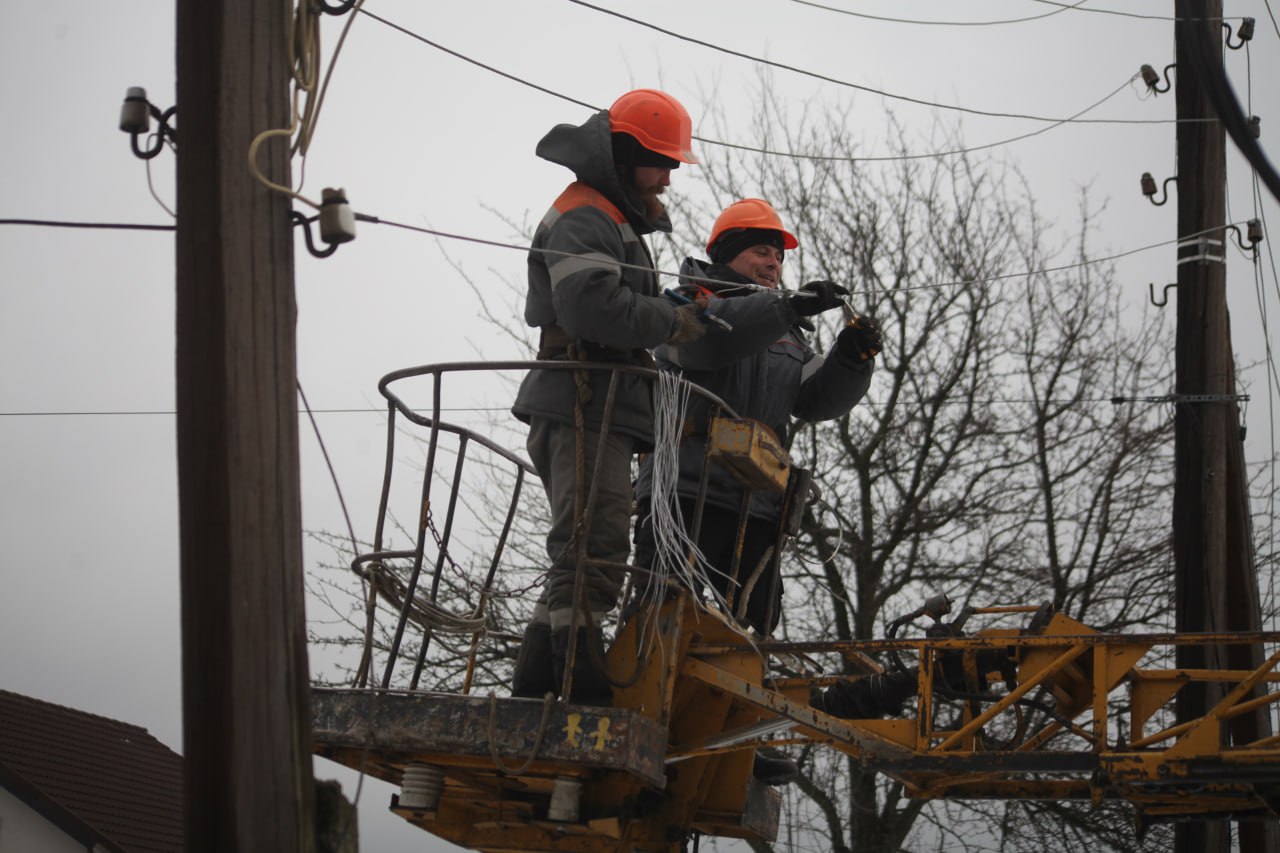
(860, 337)
(680, 299)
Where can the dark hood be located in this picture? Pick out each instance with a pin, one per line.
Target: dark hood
(587, 151)
(725, 278)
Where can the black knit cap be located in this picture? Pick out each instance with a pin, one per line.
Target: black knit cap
(627, 151)
(737, 240)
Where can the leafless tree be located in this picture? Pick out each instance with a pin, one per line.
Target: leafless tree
(989, 461)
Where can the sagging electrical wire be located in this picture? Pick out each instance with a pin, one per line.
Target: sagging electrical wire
(835, 158)
(355, 544)
(1074, 119)
(408, 32)
(1272, 15)
(859, 87)
(104, 226)
(299, 219)
(1060, 8)
(1121, 14)
(333, 475)
(364, 217)
(908, 289)
(1064, 7)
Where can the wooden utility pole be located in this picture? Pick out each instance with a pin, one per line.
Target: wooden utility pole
(246, 700)
(1216, 587)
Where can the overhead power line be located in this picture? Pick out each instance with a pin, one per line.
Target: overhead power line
(364, 217)
(475, 62)
(869, 89)
(930, 286)
(1061, 268)
(892, 20)
(878, 158)
(120, 226)
(1061, 7)
(1121, 14)
(1272, 15)
(1073, 119)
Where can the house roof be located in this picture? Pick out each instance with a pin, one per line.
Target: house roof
(99, 780)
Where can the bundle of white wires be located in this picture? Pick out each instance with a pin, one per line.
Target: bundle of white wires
(672, 543)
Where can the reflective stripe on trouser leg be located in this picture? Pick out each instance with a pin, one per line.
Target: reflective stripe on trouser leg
(553, 451)
(541, 615)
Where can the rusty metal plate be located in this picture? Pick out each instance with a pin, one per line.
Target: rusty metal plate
(468, 731)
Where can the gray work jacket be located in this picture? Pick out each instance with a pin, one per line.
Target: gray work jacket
(764, 369)
(619, 311)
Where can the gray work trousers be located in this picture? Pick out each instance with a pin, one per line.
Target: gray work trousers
(553, 450)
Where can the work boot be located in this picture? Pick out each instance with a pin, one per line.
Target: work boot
(534, 676)
(774, 769)
(590, 685)
(868, 698)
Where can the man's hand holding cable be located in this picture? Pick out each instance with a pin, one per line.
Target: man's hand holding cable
(860, 339)
(688, 326)
(816, 297)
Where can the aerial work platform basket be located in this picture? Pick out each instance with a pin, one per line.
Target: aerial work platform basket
(1044, 709)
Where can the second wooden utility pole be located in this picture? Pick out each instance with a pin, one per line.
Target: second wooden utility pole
(1216, 583)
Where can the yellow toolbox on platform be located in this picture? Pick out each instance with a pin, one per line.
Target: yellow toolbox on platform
(751, 452)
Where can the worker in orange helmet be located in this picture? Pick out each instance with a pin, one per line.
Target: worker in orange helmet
(760, 363)
(594, 296)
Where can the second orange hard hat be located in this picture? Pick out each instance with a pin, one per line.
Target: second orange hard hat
(750, 213)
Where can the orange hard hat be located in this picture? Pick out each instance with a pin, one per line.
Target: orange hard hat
(750, 213)
(658, 122)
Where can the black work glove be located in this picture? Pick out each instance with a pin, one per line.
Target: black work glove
(860, 339)
(816, 297)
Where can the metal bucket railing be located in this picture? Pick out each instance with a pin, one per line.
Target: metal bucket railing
(407, 596)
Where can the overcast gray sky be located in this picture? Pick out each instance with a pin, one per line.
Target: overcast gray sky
(89, 604)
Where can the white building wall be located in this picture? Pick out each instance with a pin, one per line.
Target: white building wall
(24, 830)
